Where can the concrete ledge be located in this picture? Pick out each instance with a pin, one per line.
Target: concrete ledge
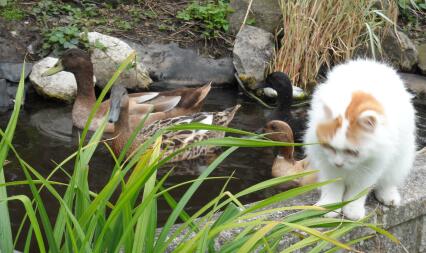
(407, 222)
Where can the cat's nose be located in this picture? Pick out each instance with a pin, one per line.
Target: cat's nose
(338, 165)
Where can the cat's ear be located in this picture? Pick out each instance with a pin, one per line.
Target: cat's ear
(368, 120)
(327, 112)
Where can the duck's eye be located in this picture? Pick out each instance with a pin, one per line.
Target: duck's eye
(329, 147)
(350, 152)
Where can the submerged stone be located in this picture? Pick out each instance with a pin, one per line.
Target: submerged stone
(12, 71)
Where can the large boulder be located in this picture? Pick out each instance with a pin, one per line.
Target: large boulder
(107, 59)
(400, 50)
(253, 51)
(266, 14)
(175, 66)
(421, 49)
(61, 86)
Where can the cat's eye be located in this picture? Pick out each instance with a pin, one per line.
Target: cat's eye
(350, 152)
(329, 147)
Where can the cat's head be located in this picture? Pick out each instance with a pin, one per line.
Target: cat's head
(350, 138)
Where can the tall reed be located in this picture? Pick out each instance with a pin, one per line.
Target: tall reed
(319, 33)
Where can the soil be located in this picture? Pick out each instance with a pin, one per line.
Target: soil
(145, 22)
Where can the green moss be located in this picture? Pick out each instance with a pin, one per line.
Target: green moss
(12, 12)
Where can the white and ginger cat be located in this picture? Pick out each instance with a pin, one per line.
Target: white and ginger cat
(363, 118)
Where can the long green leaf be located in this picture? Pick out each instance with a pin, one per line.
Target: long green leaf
(6, 241)
(160, 245)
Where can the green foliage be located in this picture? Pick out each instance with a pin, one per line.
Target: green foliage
(59, 38)
(11, 11)
(117, 219)
(62, 38)
(412, 4)
(411, 10)
(211, 16)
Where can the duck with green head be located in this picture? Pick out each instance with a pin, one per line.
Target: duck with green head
(181, 101)
(172, 140)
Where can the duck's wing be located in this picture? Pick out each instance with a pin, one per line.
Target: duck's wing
(157, 103)
(181, 138)
(164, 103)
(143, 97)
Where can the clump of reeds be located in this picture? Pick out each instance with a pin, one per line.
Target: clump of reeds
(320, 33)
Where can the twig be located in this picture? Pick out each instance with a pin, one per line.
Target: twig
(245, 17)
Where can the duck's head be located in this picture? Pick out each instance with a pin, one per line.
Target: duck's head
(278, 130)
(73, 60)
(277, 85)
(119, 99)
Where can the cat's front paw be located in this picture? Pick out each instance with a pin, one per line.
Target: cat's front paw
(331, 214)
(389, 197)
(353, 212)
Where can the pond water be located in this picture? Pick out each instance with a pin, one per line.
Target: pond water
(45, 136)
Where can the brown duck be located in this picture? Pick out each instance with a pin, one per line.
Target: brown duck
(173, 140)
(284, 162)
(178, 102)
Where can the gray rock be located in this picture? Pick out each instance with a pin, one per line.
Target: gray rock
(421, 49)
(415, 83)
(7, 94)
(4, 96)
(105, 62)
(253, 51)
(400, 50)
(266, 14)
(12, 71)
(175, 66)
(61, 86)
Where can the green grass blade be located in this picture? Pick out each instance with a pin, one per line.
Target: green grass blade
(247, 247)
(32, 216)
(6, 241)
(143, 231)
(160, 245)
(319, 235)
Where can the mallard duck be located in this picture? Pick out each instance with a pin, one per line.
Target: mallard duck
(277, 85)
(178, 102)
(172, 141)
(284, 162)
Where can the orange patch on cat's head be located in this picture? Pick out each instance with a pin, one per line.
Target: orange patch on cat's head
(326, 130)
(360, 123)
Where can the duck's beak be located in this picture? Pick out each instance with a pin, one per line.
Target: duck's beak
(53, 70)
(260, 131)
(264, 89)
(114, 109)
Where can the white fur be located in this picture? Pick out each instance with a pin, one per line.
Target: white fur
(385, 155)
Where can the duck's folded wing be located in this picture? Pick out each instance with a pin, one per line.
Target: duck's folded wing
(164, 104)
(141, 98)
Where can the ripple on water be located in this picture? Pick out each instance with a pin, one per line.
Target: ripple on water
(53, 123)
